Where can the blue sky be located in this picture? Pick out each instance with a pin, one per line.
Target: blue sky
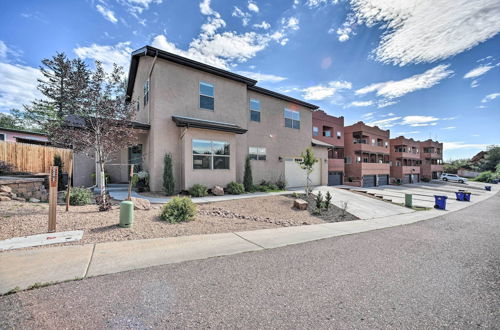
(422, 68)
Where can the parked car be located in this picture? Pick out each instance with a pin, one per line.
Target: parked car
(453, 177)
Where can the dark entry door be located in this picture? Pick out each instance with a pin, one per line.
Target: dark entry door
(383, 180)
(334, 178)
(407, 178)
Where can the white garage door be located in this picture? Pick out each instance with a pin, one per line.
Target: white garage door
(295, 176)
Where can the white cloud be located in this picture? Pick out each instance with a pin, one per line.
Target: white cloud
(360, 104)
(474, 83)
(264, 25)
(490, 97)
(252, 6)
(107, 13)
(3, 49)
(107, 54)
(245, 17)
(385, 103)
(317, 3)
(479, 71)
(261, 77)
(321, 92)
(291, 23)
(416, 121)
(368, 115)
(449, 127)
(463, 145)
(393, 89)
(405, 133)
(205, 8)
(427, 30)
(384, 123)
(18, 85)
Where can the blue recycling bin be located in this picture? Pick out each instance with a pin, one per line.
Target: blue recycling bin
(460, 195)
(494, 181)
(487, 188)
(467, 196)
(440, 202)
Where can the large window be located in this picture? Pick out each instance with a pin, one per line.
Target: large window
(210, 155)
(146, 92)
(254, 110)
(315, 131)
(292, 118)
(207, 100)
(257, 153)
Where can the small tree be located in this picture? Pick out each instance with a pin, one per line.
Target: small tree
(328, 199)
(247, 178)
(168, 176)
(307, 163)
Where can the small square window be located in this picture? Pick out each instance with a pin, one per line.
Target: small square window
(339, 135)
(292, 118)
(257, 153)
(315, 131)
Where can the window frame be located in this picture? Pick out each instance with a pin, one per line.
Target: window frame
(315, 131)
(4, 137)
(212, 155)
(258, 155)
(200, 94)
(297, 121)
(339, 135)
(146, 91)
(258, 111)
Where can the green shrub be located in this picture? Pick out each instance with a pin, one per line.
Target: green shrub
(281, 184)
(319, 200)
(295, 195)
(235, 188)
(198, 190)
(425, 179)
(79, 196)
(168, 176)
(179, 209)
(328, 199)
(140, 181)
(247, 178)
(486, 176)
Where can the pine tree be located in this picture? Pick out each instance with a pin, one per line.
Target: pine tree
(247, 178)
(168, 177)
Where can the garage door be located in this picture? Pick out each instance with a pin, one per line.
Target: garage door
(335, 178)
(407, 178)
(383, 180)
(295, 176)
(369, 181)
(415, 178)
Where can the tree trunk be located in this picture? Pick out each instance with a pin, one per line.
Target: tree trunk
(102, 180)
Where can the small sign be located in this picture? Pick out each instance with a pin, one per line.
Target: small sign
(54, 174)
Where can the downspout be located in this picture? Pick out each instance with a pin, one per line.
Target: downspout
(150, 137)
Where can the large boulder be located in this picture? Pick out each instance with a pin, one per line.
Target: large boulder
(300, 204)
(141, 204)
(4, 198)
(5, 189)
(218, 191)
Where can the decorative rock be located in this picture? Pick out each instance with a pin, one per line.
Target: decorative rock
(4, 198)
(20, 199)
(6, 189)
(218, 191)
(300, 204)
(34, 200)
(141, 204)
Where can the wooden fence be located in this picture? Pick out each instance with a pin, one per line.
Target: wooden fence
(32, 158)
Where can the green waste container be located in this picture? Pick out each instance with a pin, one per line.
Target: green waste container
(126, 214)
(408, 200)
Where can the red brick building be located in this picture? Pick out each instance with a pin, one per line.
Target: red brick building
(405, 160)
(367, 155)
(431, 155)
(330, 130)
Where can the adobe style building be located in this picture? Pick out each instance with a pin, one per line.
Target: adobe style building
(330, 130)
(367, 155)
(210, 120)
(431, 155)
(405, 160)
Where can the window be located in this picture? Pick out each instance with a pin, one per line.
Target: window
(386, 144)
(327, 133)
(146, 92)
(2, 137)
(254, 110)
(373, 142)
(207, 100)
(210, 155)
(257, 153)
(398, 163)
(315, 131)
(339, 135)
(292, 118)
(347, 160)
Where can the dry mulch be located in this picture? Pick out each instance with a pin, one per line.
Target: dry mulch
(22, 219)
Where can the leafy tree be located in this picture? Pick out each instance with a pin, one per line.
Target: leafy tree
(9, 121)
(307, 163)
(452, 166)
(168, 176)
(492, 158)
(247, 178)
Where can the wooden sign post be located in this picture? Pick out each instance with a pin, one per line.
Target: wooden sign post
(131, 175)
(54, 174)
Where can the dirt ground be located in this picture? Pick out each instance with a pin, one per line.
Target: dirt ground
(22, 219)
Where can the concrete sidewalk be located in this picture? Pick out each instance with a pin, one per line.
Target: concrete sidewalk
(22, 269)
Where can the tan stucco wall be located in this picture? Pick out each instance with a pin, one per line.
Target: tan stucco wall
(174, 90)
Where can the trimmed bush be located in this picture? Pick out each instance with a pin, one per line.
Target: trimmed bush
(247, 178)
(486, 176)
(235, 188)
(281, 184)
(425, 179)
(168, 176)
(179, 209)
(79, 196)
(198, 190)
(328, 199)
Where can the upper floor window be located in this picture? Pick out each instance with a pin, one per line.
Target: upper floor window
(207, 100)
(339, 135)
(146, 92)
(386, 144)
(315, 131)
(210, 155)
(327, 133)
(2, 137)
(254, 110)
(257, 153)
(347, 160)
(374, 143)
(292, 118)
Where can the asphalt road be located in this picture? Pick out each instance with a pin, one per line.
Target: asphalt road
(440, 273)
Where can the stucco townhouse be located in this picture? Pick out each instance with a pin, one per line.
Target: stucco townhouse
(405, 160)
(431, 156)
(210, 120)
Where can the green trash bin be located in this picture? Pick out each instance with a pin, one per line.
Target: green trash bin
(408, 200)
(126, 214)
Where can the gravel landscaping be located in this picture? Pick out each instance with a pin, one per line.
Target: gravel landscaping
(22, 219)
